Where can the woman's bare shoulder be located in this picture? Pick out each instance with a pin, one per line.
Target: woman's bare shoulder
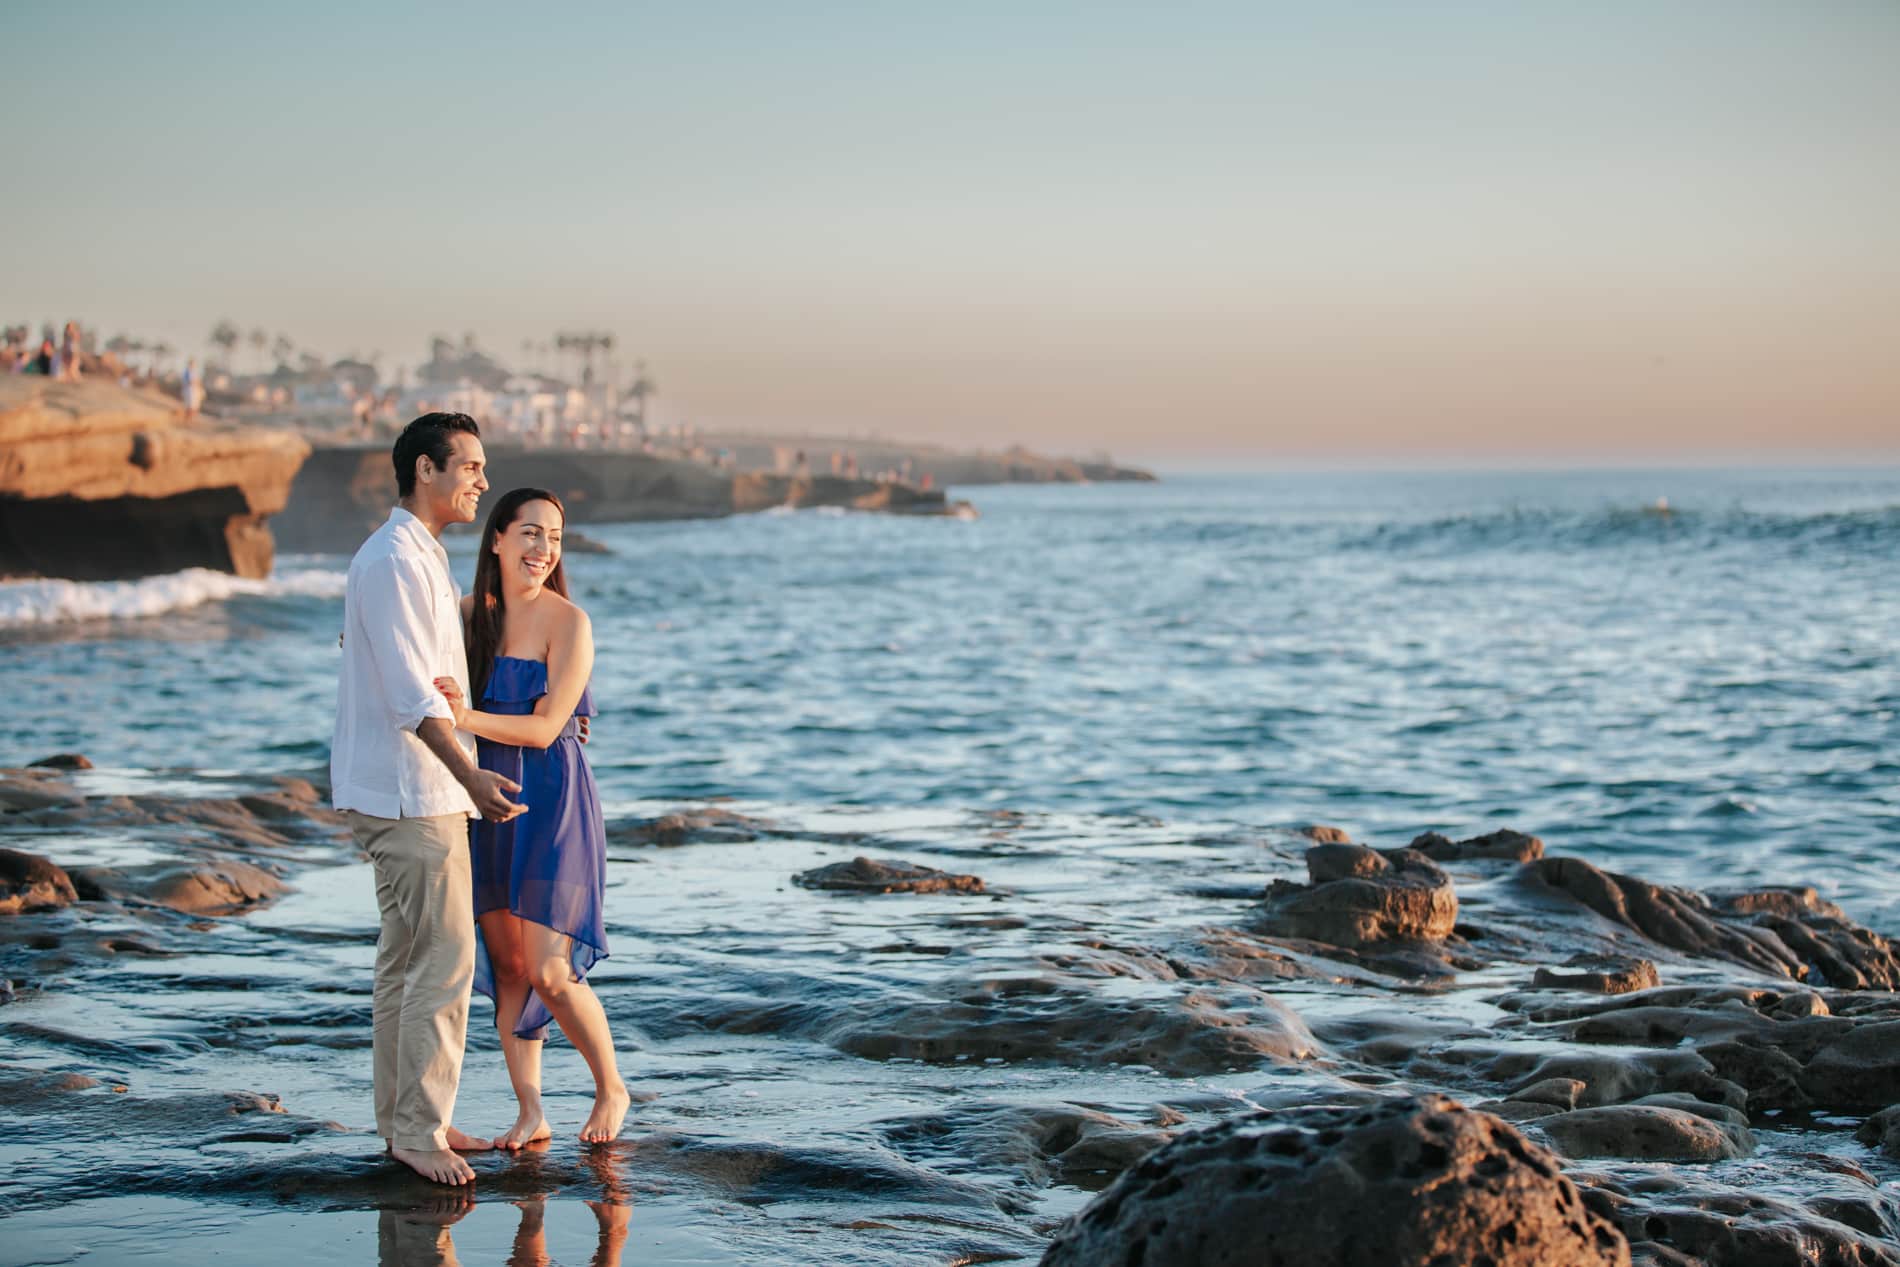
(564, 614)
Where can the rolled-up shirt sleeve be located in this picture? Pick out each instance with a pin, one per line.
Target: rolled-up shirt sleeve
(398, 628)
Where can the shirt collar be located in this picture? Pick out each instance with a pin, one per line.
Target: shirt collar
(408, 523)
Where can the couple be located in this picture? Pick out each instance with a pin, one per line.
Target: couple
(511, 903)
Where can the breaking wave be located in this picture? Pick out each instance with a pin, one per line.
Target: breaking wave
(24, 604)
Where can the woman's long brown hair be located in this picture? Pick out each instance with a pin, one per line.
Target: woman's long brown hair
(483, 635)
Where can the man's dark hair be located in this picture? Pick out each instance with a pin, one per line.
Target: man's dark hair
(427, 435)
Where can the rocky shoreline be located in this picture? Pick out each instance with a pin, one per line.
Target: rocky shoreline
(1452, 1051)
(343, 492)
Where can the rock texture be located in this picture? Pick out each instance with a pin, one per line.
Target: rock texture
(1359, 896)
(1408, 1182)
(1505, 843)
(344, 492)
(1600, 974)
(1783, 932)
(870, 875)
(29, 882)
(100, 482)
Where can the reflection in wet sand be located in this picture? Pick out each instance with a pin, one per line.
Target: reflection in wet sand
(420, 1236)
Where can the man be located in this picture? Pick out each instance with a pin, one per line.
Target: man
(408, 783)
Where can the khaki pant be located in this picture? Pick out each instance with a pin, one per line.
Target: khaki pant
(425, 963)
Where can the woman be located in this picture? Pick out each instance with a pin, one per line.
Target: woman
(538, 878)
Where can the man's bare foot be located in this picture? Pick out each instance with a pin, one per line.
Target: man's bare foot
(463, 1142)
(610, 1109)
(437, 1165)
(529, 1127)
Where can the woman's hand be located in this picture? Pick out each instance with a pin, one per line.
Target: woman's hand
(452, 691)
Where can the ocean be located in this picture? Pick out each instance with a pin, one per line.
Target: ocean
(1710, 692)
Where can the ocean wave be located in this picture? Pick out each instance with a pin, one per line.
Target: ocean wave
(1621, 526)
(24, 604)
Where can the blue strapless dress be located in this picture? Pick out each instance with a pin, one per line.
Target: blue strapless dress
(549, 864)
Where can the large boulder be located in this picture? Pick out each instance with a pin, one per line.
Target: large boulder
(100, 482)
(1412, 1182)
(1359, 897)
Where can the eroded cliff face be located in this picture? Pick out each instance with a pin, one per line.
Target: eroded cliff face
(100, 482)
(343, 493)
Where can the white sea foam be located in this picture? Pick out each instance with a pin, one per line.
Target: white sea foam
(26, 603)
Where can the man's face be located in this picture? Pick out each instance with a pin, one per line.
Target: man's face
(455, 492)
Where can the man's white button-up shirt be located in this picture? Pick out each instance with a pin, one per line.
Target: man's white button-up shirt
(402, 629)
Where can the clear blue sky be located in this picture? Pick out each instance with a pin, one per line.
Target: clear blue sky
(1358, 229)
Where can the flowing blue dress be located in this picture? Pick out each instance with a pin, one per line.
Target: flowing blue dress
(548, 864)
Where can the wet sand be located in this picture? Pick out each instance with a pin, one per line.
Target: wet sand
(840, 1076)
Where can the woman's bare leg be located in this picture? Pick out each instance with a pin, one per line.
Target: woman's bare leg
(584, 1022)
(501, 935)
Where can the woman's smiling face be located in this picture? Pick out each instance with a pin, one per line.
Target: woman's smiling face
(529, 547)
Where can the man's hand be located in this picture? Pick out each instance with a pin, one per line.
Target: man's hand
(490, 792)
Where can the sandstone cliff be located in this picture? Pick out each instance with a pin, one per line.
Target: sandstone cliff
(344, 492)
(100, 482)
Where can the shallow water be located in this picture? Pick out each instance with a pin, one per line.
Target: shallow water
(1147, 677)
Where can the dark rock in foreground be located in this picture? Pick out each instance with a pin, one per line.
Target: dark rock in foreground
(870, 875)
(1413, 1182)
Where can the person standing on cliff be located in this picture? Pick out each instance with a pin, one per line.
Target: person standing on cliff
(407, 783)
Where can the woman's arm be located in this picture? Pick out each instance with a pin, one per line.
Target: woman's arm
(570, 665)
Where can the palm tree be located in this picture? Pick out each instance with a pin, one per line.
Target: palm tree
(282, 349)
(225, 335)
(260, 339)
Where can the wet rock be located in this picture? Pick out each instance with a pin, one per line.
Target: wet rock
(1404, 1183)
(871, 875)
(1600, 974)
(1358, 897)
(698, 826)
(1657, 1128)
(1882, 1130)
(1681, 1217)
(1859, 1071)
(17, 1083)
(62, 761)
(1512, 846)
(27, 791)
(1041, 1143)
(1033, 1019)
(1322, 834)
(1836, 951)
(29, 882)
(1680, 919)
(215, 888)
(1611, 1077)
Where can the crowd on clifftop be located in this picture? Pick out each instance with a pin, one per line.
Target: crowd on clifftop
(71, 354)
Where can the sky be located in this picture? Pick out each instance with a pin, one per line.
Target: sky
(1194, 232)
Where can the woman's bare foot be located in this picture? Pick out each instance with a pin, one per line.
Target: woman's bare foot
(463, 1142)
(610, 1110)
(437, 1165)
(529, 1127)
